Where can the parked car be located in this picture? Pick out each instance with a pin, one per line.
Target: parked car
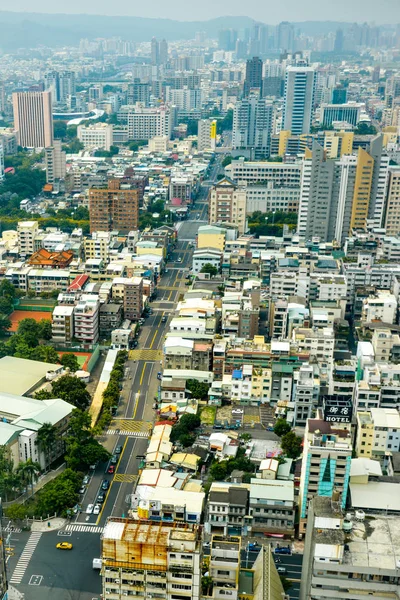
(114, 459)
(82, 489)
(237, 411)
(101, 497)
(105, 484)
(164, 319)
(283, 550)
(281, 569)
(89, 509)
(179, 259)
(111, 469)
(118, 450)
(86, 480)
(97, 509)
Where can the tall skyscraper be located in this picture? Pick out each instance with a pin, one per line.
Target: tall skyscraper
(163, 52)
(52, 84)
(252, 125)
(253, 80)
(33, 119)
(338, 45)
(114, 206)
(285, 37)
(227, 39)
(299, 99)
(336, 194)
(155, 52)
(67, 85)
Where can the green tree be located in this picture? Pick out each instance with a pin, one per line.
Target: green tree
(5, 324)
(70, 361)
(60, 129)
(198, 389)
(208, 268)
(29, 472)
(187, 440)
(44, 329)
(44, 395)
(365, 129)
(72, 390)
(45, 354)
(291, 444)
(82, 448)
(227, 161)
(29, 330)
(281, 427)
(219, 471)
(47, 438)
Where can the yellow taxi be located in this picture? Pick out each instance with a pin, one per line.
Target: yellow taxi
(64, 546)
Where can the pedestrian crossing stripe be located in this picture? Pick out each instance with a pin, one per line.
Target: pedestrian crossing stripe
(145, 354)
(124, 478)
(131, 425)
(138, 434)
(84, 528)
(25, 557)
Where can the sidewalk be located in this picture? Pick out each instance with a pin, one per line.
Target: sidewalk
(36, 486)
(43, 526)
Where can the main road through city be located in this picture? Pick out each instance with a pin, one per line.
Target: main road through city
(44, 573)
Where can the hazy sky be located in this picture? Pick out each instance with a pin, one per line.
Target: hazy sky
(268, 11)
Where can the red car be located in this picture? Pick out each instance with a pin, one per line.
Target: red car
(111, 469)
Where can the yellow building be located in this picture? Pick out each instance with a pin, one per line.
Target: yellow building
(365, 435)
(211, 237)
(149, 247)
(283, 141)
(362, 190)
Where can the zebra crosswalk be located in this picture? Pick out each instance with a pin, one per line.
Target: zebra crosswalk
(25, 557)
(85, 528)
(138, 434)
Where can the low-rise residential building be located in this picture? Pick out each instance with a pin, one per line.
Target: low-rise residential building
(110, 318)
(271, 506)
(86, 319)
(62, 327)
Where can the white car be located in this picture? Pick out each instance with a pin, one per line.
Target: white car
(237, 411)
(89, 509)
(97, 509)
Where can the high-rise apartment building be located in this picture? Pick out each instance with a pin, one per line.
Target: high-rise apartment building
(55, 159)
(206, 134)
(150, 559)
(325, 466)
(61, 85)
(299, 99)
(27, 232)
(253, 80)
(252, 125)
(227, 205)
(392, 216)
(145, 123)
(133, 298)
(33, 119)
(139, 92)
(97, 135)
(114, 206)
(335, 195)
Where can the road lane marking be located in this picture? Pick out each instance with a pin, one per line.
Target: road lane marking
(137, 396)
(152, 342)
(125, 478)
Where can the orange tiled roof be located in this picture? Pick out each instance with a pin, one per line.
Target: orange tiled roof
(44, 258)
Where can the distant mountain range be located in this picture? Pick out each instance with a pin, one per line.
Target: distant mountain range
(31, 30)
